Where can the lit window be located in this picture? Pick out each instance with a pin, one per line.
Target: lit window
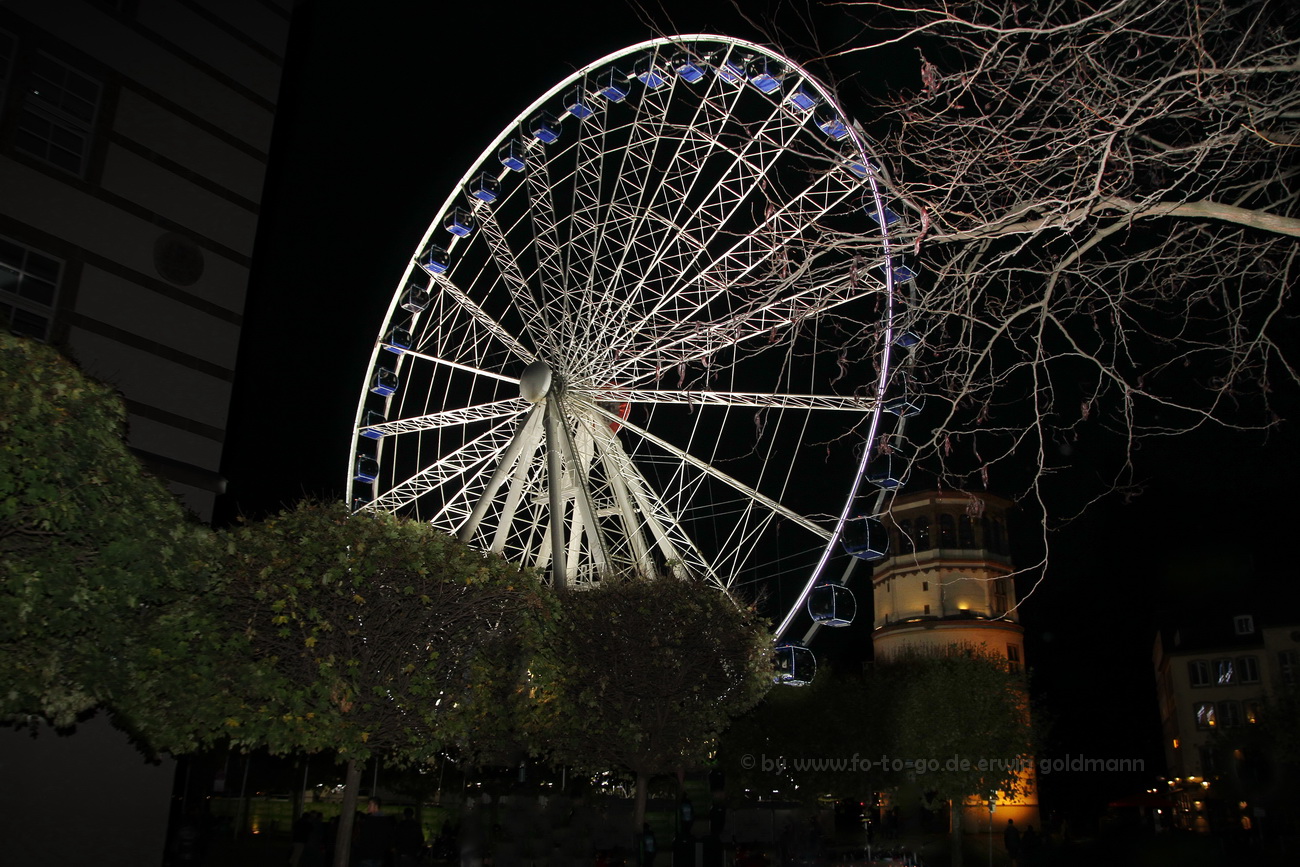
(57, 114)
(905, 540)
(1252, 712)
(947, 531)
(1198, 672)
(28, 288)
(1177, 743)
(1248, 669)
(1225, 673)
(1205, 718)
(922, 534)
(1243, 624)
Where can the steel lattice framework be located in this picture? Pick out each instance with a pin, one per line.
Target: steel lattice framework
(618, 338)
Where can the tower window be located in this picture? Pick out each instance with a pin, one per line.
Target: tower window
(923, 534)
(965, 532)
(947, 531)
(925, 586)
(905, 540)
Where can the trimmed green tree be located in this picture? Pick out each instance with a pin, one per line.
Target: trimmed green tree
(99, 566)
(953, 705)
(643, 675)
(362, 635)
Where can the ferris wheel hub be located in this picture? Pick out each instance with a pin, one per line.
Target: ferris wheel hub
(535, 383)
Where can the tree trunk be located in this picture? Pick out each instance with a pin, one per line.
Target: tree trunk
(347, 815)
(638, 814)
(955, 809)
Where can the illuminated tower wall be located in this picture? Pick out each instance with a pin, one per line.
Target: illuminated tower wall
(948, 582)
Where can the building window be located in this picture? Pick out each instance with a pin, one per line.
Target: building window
(1198, 673)
(57, 114)
(905, 541)
(1286, 666)
(965, 532)
(1013, 656)
(1243, 624)
(1205, 718)
(1252, 710)
(1248, 669)
(947, 531)
(29, 285)
(999, 596)
(925, 586)
(1229, 713)
(923, 534)
(927, 609)
(1225, 673)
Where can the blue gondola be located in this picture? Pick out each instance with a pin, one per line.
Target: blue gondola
(417, 298)
(907, 339)
(902, 271)
(545, 128)
(865, 538)
(765, 74)
(688, 68)
(578, 103)
(732, 69)
(485, 188)
(459, 222)
(372, 419)
(908, 402)
(889, 470)
(511, 155)
(648, 73)
(884, 216)
(384, 383)
(433, 259)
(398, 340)
(803, 97)
(612, 84)
(828, 120)
(367, 469)
(832, 605)
(794, 665)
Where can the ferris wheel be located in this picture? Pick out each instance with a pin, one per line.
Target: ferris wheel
(653, 329)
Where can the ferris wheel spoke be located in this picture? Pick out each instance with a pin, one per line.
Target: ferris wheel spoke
(766, 321)
(447, 418)
(456, 365)
(648, 521)
(710, 470)
(849, 403)
(471, 456)
(536, 322)
(460, 300)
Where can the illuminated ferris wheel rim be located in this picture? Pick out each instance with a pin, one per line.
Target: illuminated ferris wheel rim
(623, 390)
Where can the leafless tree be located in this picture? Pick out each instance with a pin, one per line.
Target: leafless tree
(1103, 198)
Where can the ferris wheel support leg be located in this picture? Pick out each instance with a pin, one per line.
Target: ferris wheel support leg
(580, 468)
(499, 475)
(555, 486)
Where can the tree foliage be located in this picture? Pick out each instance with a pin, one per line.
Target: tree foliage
(960, 704)
(99, 567)
(363, 635)
(644, 675)
(1103, 199)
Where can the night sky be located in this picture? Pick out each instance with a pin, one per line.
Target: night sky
(380, 116)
